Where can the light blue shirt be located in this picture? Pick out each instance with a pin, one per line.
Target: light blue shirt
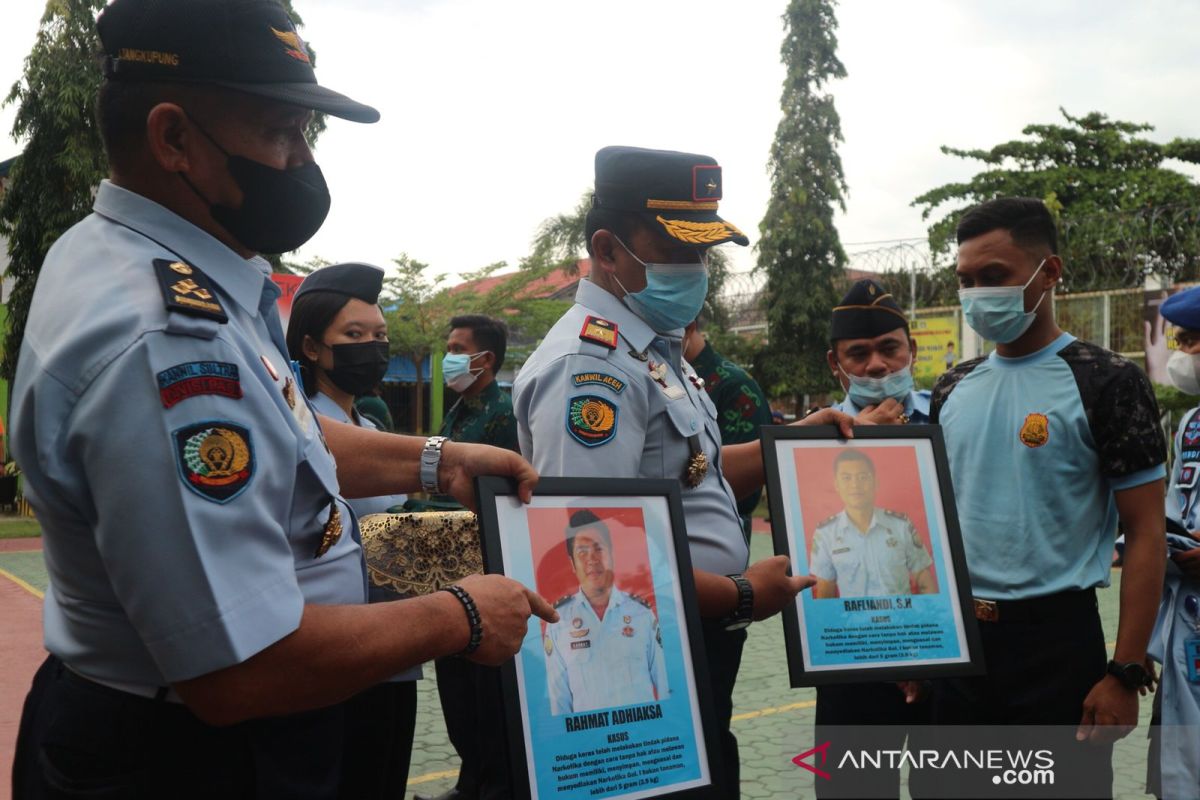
(1180, 753)
(916, 407)
(651, 420)
(362, 506)
(596, 663)
(872, 564)
(158, 574)
(325, 405)
(1037, 445)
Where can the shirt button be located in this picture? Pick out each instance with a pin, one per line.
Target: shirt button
(693, 424)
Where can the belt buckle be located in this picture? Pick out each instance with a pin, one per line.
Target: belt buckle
(986, 610)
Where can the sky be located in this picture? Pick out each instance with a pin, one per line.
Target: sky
(492, 111)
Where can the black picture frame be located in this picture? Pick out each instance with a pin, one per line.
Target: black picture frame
(803, 619)
(497, 497)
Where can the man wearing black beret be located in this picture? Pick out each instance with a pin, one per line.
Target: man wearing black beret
(871, 356)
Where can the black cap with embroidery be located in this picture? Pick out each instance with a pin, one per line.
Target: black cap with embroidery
(362, 281)
(865, 312)
(247, 45)
(677, 191)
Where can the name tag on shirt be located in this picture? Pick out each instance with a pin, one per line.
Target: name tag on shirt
(1191, 649)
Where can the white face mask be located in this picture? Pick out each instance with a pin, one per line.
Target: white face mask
(1182, 372)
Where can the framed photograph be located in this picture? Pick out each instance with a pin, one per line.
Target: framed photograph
(611, 701)
(873, 519)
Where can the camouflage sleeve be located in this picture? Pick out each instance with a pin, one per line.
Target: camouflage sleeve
(1121, 409)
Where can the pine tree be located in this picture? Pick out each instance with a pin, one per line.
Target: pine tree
(799, 249)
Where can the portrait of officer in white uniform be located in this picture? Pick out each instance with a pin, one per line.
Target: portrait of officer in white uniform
(864, 551)
(606, 649)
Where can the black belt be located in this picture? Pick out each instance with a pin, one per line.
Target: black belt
(1036, 609)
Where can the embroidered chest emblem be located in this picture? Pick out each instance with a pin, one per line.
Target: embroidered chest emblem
(1036, 430)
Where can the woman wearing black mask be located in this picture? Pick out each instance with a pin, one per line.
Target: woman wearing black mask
(338, 337)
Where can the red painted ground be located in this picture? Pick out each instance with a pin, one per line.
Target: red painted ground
(11, 545)
(20, 655)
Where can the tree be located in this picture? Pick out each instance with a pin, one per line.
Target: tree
(1122, 213)
(419, 307)
(799, 249)
(52, 182)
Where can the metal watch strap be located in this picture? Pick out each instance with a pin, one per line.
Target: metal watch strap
(743, 615)
(431, 458)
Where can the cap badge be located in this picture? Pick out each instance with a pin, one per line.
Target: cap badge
(706, 182)
(698, 232)
(295, 45)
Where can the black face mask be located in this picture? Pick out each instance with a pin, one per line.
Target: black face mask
(358, 367)
(281, 208)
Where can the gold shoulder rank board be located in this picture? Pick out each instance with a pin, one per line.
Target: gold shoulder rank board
(188, 290)
(600, 331)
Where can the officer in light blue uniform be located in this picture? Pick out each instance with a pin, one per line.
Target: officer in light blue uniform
(1173, 766)
(606, 649)
(193, 531)
(608, 393)
(877, 563)
(872, 355)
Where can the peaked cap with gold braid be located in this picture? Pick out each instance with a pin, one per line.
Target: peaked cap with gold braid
(865, 312)
(678, 192)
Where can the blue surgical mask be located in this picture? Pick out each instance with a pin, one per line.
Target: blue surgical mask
(866, 391)
(457, 372)
(674, 293)
(997, 313)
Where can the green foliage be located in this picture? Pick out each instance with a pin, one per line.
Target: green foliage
(50, 186)
(1122, 215)
(418, 309)
(799, 248)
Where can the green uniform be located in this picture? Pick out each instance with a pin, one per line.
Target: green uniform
(375, 408)
(741, 408)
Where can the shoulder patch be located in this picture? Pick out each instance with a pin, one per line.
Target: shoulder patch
(193, 378)
(599, 378)
(187, 290)
(641, 600)
(591, 420)
(215, 458)
(562, 601)
(600, 331)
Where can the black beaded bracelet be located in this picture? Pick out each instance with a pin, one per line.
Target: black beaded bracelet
(473, 618)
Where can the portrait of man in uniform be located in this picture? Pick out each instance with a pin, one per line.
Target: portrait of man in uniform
(864, 550)
(606, 649)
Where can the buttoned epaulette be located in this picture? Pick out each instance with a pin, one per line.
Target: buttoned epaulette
(641, 600)
(562, 601)
(598, 337)
(193, 308)
(826, 521)
(896, 514)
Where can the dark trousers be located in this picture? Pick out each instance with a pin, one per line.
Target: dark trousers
(79, 739)
(473, 707)
(380, 723)
(873, 716)
(1039, 671)
(724, 655)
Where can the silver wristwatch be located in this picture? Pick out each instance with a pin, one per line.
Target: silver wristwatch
(431, 457)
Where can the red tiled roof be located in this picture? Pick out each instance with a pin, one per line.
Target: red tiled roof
(555, 282)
